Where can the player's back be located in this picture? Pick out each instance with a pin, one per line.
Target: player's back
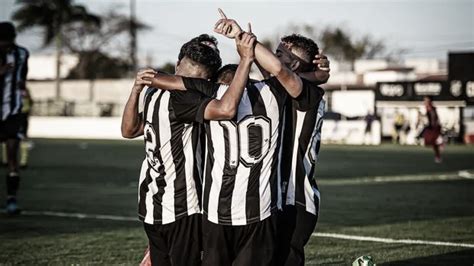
(169, 179)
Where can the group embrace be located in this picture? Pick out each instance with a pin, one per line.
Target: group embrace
(228, 174)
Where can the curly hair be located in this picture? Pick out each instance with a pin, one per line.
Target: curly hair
(208, 40)
(226, 73)
(202, 50)
(308, 46)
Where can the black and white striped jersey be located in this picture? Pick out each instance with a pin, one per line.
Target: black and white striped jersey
(170, 178)
(298, 156)
(240, 176)
(12, 81)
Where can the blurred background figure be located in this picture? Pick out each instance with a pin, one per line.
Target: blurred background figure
(432, 132)
(369, 119)
(25, 144)
(13, 71)
(419, 126)
(398, 125)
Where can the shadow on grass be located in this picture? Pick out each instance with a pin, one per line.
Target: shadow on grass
(26, 226)
(362, 205)
(463, 257)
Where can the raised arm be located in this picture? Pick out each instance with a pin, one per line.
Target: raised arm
(288, 79)
(264, 57)
(226, 107)
(132, 123)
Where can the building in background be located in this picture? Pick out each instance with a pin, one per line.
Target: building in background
(377, 87)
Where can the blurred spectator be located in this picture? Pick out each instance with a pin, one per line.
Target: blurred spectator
(25, 144)
(369, 119)
(24, 117)
(398, 125)
(432, 132)
(13, 71)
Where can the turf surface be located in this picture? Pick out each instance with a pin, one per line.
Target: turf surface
(100, 177)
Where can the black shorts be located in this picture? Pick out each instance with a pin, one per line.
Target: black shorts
(10, 128)
(295, 226)
(177, 243)
(252, 244)
(23, 130)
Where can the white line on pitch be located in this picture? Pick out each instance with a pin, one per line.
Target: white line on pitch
(328, 235)
(462, 174)
(81, 215)
(392, 241)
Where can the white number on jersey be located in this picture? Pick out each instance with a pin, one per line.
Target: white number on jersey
(150, 145)
(239, 140)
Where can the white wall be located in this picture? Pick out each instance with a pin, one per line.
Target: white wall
(362, 66)
(343, 78)
(75, 127)
(103, 90)
(350, 132)
(341, 132)
(370, 78)
(44, 66)
(353, 103)
(425, 65)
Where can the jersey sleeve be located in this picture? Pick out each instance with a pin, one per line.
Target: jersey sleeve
(24, 65)
(200, 85)
(189, 106)
(309, 97)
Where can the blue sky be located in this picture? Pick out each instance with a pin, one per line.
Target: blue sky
(422, 28)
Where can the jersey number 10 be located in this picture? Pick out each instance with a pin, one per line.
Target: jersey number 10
(239, 144)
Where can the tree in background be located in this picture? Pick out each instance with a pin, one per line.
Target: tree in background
(167, 68)
(339, 43)
(53, 16)
(103, 50)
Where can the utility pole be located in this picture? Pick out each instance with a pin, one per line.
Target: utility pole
(133, 37)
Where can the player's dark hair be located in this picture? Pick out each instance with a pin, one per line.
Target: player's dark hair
(208, 40)
(7, 31)
(306, 44)
(200, 51)
(226, 72)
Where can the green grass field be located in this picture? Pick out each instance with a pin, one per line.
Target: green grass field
(386, 191)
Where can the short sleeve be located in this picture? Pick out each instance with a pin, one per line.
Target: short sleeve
(309, 97)
(201, 85)
(24, 68)
(189, 106)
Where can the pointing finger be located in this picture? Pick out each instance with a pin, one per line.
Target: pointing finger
(222, 13)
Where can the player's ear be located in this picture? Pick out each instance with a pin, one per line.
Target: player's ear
(176, 67)
(295, 64)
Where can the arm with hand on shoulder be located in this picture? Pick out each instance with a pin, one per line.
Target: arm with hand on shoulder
(132, 123)
(321, 74)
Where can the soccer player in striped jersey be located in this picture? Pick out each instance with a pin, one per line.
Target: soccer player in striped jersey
(298, 152)
(240, 186)
(298, 157)
(13, 71)
(169, 188)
